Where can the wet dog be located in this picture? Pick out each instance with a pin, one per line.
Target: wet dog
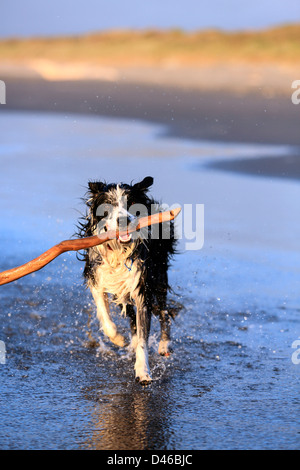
(131, 270)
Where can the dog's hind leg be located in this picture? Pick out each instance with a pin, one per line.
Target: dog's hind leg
(108, 326)
(164, 348)
(130, 312)
(143, 321)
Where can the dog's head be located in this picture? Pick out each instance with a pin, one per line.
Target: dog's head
(115, 206)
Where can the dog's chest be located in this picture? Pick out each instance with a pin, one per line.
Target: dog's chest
(121, 280)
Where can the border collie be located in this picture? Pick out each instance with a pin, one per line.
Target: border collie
(131, 270)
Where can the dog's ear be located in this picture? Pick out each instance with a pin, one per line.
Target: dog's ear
(96, 187)
(142, 185)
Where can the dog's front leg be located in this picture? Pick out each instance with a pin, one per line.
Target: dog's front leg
(143, 321)
(103, 315)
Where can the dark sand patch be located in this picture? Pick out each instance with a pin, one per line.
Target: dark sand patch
(194, 114)
(274, 167)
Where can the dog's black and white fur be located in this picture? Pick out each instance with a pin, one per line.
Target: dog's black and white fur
(133, 269)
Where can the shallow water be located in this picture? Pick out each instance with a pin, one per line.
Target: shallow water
(231, 382)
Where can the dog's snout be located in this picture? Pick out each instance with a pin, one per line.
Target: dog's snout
(123, 221)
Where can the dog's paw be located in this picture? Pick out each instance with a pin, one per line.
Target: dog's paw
(164, 348)
(119, 340)
(133, 343)
(144, 379)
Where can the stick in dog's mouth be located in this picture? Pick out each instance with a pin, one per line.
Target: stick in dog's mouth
(125, 236)
(82, 244)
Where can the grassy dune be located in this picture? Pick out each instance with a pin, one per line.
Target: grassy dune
(153, 47)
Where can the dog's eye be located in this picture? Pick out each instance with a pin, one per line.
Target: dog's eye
(136, 213)
(103, 211)
(133, 210)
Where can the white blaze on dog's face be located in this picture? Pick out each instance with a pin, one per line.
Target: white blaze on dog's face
(116, 214)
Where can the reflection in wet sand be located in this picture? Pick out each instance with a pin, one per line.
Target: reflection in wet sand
(127, 421)
(124, 414)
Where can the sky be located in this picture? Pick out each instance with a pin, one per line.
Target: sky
(69, 17)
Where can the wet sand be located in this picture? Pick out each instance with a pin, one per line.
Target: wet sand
(198, 114)
(287, 166)
(194, 114)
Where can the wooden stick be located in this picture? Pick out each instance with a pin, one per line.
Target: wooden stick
(81, 244)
